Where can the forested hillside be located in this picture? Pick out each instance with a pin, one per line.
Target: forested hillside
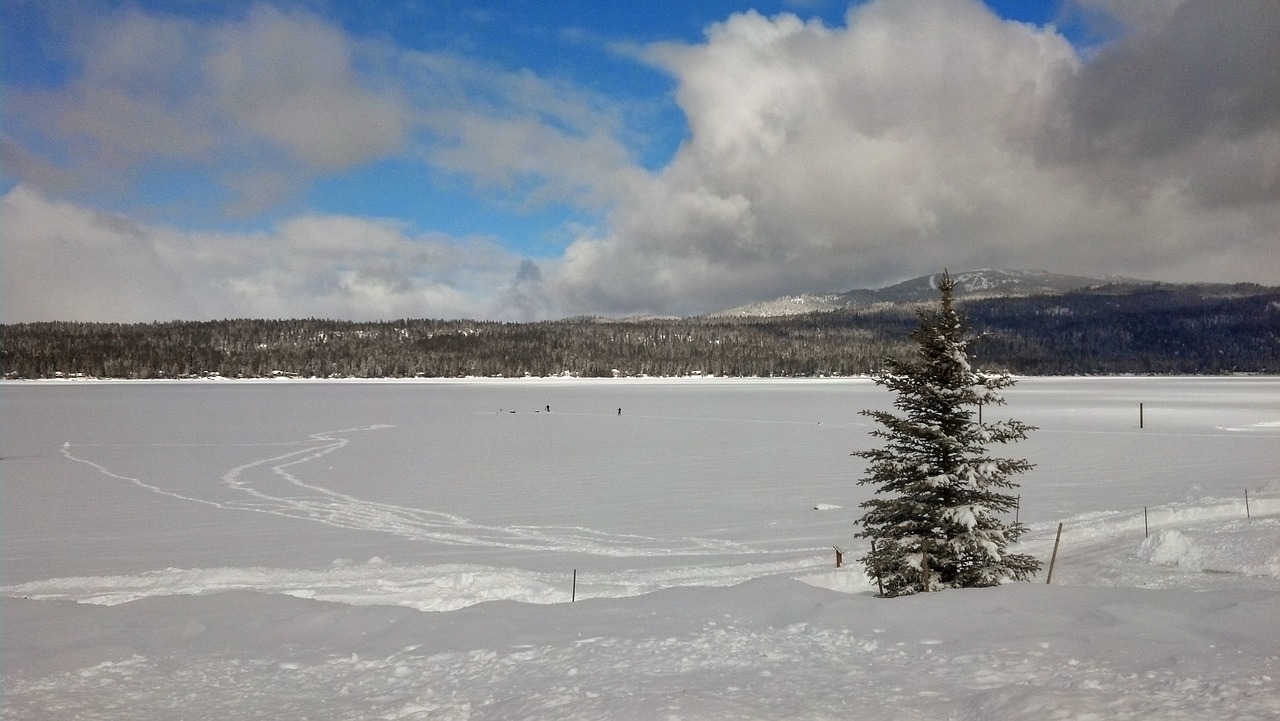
(1147, 331)
(1173, 330)
(433, 348)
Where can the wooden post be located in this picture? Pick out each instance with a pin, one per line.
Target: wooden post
(839, 556)
(875, 565)
(1140, 416)
(1246, 504)
(1054, 558)
(573, 595)
(1017, 508)
(1146, 533)
(924, 562)
(979, 412)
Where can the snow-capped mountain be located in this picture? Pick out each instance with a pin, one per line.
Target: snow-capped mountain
(973, 284)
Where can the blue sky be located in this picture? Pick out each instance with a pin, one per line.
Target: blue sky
(527, 160)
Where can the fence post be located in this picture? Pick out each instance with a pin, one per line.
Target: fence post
(924, 562)
(573, 595)
(875, 565)
(1140, 416)
(1246, 504)
(1054, 558)
(1146, 533)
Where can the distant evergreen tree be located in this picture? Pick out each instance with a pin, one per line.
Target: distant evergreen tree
(935, 521)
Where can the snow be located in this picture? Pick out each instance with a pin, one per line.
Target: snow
(340, 550)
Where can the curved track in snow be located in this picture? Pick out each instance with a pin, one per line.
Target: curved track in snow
(273, 485)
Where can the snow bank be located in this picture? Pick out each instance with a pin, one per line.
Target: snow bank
(765, 649)
(1244, 547)
(1096, 644)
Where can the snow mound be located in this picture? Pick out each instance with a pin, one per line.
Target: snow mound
(1251, 548)
(1169, 548)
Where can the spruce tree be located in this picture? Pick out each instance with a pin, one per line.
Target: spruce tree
(939, 516)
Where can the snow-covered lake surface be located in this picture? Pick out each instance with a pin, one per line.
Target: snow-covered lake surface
(352, 550)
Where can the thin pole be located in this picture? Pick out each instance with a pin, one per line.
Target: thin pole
(573, 596)
(1140, 416)
(1054, 558)
(1246, 504)
(1146, 533)
(875, 564)
(924, 562)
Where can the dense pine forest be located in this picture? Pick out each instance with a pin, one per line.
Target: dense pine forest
(1151, 331)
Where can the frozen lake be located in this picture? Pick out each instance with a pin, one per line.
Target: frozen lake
(696, 481)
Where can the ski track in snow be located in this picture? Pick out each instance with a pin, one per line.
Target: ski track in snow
(346, 511)
(428, 588)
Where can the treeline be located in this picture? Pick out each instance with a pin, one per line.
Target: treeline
(1154, 331)
(1082, 333)
(441, 349)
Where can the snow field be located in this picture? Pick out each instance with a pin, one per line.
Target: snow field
(212, 551)
(769, 648)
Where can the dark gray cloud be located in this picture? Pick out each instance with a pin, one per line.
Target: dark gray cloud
(1194, 98)
(1209, 71)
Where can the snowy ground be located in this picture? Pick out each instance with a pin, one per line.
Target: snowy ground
(408, 550)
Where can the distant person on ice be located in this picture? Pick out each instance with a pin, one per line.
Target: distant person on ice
(619, 411)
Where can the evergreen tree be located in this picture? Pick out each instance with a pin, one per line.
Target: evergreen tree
(936, 520)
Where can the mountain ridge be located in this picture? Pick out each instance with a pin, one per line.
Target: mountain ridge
(972, 285)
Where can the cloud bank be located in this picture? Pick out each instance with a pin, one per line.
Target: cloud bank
(926, 134)
(111, 268)
(920, 134)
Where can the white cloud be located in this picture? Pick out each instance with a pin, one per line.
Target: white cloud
(291, 80)
(269, 100)
(820, 157)
(520, 135)
(266, 91)
(61, 261)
